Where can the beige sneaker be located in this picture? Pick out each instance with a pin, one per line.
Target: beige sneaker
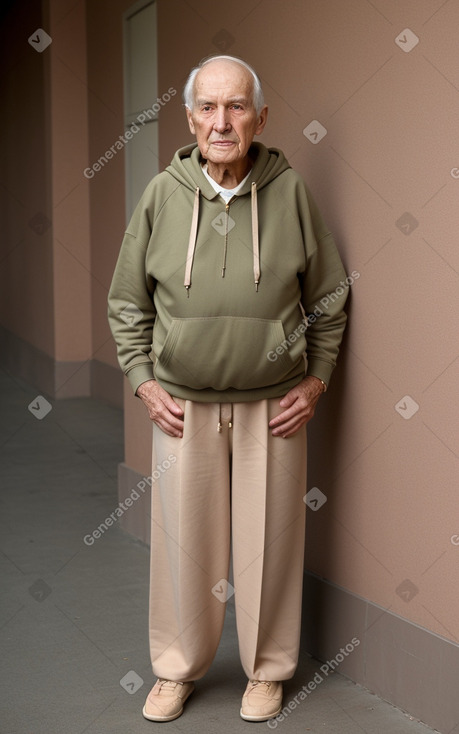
(165, 700)
(262, 700)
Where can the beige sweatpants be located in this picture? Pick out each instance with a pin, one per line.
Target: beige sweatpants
(243, 489)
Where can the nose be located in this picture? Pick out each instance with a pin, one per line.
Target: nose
(221, 122)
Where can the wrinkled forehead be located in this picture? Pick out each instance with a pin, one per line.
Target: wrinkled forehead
(223, 79)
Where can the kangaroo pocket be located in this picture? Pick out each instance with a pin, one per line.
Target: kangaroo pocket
(224, 352)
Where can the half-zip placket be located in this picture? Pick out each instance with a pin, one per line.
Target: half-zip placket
(194, 231)
(225, 246)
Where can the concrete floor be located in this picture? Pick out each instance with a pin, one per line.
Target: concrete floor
(73, 617)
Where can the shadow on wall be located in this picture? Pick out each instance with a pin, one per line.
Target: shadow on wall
(331, 423)
(325, 442)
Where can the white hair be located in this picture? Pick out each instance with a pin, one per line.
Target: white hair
(188, 91)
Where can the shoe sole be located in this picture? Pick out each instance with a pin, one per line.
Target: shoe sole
(264, 717)
(161, 718)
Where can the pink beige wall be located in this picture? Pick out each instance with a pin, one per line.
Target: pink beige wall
(107, 197)
(391, 119)
(383, 446)
(46, 271)
(69, 147)
(105, 109)
(26, 268)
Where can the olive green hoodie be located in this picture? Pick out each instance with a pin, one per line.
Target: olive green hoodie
(208, 298)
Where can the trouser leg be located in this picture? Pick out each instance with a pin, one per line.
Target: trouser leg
(268, 527)
(190, 545)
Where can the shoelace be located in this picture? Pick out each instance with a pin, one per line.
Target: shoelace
(256, 683)
(168, 684)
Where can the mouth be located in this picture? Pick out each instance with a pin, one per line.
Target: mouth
(223, 143)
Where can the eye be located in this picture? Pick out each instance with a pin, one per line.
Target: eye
(236, 106)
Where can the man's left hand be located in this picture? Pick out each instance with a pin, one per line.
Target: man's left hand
(299, 404)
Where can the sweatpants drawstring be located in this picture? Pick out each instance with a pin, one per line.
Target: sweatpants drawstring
(230, 422)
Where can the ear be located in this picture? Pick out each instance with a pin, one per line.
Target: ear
(190, 120)
(262, 118)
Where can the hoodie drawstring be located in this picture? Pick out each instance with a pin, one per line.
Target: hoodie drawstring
(255, 242)
(192, 242)
(193, 238)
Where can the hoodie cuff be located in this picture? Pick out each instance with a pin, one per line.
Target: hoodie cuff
(140, 373)
(319, 368)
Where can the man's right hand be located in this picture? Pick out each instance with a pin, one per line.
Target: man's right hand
(162, 408)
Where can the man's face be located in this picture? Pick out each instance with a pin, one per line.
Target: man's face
(223, 117)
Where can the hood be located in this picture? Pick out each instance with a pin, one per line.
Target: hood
(186, 168)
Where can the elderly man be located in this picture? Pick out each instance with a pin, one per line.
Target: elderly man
(214, 305)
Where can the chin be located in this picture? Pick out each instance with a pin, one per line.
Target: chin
(223, 156)
(230, 150)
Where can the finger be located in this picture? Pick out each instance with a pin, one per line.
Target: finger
(288, 400)
(155, 397)
(281, 429)
(293, 423)
(170, 432)
(284, 416)
(161, 397)
(172, 406)
(162, 416)
(285, 430)
(166, 419)
(164, 407)
(290, 428)
(168, 427)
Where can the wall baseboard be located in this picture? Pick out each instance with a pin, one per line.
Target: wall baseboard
(137, 521)
(408, 666)
(59, 379)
